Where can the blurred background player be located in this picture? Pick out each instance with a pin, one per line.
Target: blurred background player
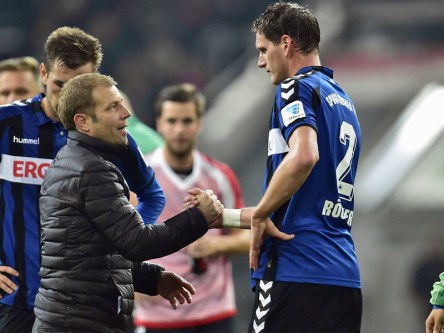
(178, 167)
(19, 79)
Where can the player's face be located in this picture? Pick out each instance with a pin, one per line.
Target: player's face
(17, 85)
(111, 116)
(179, 125)
(272, 59)
(56, 78)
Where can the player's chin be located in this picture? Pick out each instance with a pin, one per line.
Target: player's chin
(182, 151)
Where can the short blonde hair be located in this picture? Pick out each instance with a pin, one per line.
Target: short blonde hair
(21, 64)
(76, 97)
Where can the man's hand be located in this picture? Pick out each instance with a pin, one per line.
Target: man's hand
(207, 203)
(435, 321)
(6, 283)
(258, 224)
(174, 288)
(261, 226)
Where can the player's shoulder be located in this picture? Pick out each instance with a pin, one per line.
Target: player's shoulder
(294, 87)
(21, 107)
(154, 157)
(13, 109)
(298, 78)
(211, 160)
(213, 163)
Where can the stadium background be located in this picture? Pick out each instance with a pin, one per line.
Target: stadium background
(388, 55)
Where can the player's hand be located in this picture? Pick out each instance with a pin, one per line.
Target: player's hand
(190, 200)
(6, 284)
(261, 226)
(208, 203)
(175, 288)
(272, 231)
(435, 321)
(258, 224)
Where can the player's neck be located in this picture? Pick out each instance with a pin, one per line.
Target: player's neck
(303, 60)
(178, 162)
(49, 111)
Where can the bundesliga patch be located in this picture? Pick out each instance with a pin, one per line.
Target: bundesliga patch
(291, 112)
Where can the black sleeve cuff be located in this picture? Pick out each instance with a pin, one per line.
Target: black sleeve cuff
(146, 277)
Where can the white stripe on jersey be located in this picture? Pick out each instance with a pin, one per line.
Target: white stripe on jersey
(276, 142)
(25, 170)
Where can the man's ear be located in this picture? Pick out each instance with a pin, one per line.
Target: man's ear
(287, 43)
(43, 73)
(83, 122)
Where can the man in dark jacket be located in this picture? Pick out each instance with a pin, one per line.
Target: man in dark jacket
(93, 241)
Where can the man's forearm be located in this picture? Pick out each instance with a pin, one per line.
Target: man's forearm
(237, 218)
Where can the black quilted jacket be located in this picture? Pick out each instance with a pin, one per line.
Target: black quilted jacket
(93, 241)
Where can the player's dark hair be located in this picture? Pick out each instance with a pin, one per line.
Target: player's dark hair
(181, 93)
(292, 19)
(73, 48)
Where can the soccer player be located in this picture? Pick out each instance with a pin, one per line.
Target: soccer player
(30, 136)
(314, 140)
(179, 166)
(310, 283)
(19, 79)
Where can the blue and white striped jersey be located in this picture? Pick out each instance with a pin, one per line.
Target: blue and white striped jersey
(320, 213)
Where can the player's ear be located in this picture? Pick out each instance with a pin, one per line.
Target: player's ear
(43, 73)
(287, 44)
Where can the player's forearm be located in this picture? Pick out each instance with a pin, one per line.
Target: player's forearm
(237, 218)
(237, 242)
(285, 182)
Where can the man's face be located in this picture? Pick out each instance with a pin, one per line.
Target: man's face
(57, 77)
(17, 85)
(272, 59)
(179, 126)
(111, 116)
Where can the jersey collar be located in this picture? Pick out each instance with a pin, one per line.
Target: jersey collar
(325, 70)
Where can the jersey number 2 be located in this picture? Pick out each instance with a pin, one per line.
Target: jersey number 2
(347, 135)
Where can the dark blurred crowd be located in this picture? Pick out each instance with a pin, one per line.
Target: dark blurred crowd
(152, 43)
(147, 43)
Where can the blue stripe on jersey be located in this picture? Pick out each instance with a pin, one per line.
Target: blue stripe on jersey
(321, 211)
(29, 140)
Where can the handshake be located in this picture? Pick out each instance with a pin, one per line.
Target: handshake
(219, 217)
(246, 218)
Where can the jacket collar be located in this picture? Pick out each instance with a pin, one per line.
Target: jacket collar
(107, 150)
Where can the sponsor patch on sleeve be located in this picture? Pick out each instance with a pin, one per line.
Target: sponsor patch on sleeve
(292, 111)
